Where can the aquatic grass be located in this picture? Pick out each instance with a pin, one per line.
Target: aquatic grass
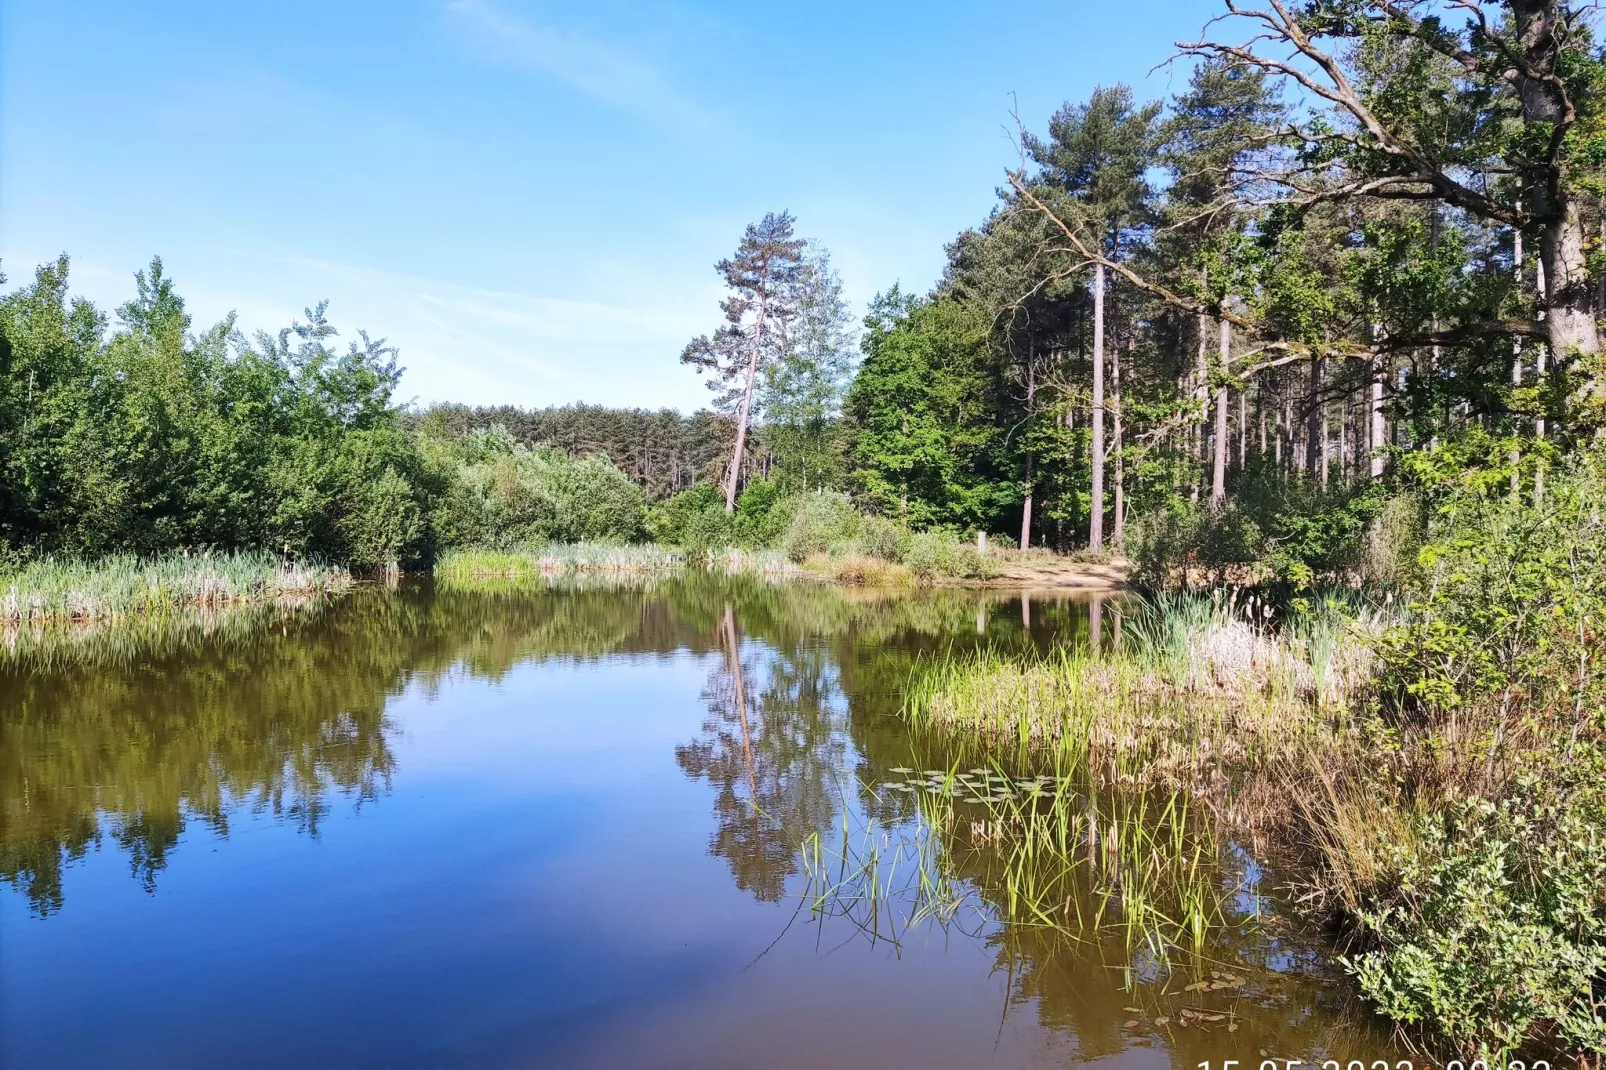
(553, 558)
(987, 848)
(56, 588)
(632, 559)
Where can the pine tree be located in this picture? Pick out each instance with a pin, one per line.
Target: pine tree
(763, 278)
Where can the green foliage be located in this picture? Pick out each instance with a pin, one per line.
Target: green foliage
(1509, 597)
(506, 494)
(1499, 923)
(820, 523)
(760, 514)
(922, 411)
(930, 554)
(694, 520)
(154, 438)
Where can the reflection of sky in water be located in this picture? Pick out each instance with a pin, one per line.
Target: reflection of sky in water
(559, 864)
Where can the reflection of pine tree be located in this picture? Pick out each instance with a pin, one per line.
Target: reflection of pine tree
(771, 750)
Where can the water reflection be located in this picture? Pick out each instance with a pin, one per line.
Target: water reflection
(769, 713)
(123, 736)
(770, 749)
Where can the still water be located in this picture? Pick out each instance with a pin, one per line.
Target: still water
(554, 826)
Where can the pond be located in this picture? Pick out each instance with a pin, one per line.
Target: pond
(582, 824)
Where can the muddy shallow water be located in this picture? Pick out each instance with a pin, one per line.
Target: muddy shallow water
(554, 826)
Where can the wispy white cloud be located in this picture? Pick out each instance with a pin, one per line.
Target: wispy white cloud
(605, 72)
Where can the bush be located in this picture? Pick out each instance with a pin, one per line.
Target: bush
(1499, 925)
(930, 554)
(759, 521)
(666, 521)
(503, 494)
(882, 538)
(706, 531)
(820, 523)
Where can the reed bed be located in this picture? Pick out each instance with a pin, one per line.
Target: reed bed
(64, 589)
(989, 849)
(1190, 689)
(559, 559)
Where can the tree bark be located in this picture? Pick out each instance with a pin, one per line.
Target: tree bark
(1095, 538)
(747, 405)
(1120, 461)
(1313, 443)
(1379, 426)
(1218, 470)
(1031, 405)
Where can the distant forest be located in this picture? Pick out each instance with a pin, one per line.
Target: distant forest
(664, 452)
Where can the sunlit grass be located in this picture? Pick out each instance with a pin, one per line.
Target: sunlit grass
(54, 588)
(559, 559)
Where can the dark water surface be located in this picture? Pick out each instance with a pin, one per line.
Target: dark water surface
(544, 827)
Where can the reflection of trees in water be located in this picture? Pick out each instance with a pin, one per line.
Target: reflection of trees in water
(771, 749)
(126, 734)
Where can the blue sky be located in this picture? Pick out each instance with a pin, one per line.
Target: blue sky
(526, 197)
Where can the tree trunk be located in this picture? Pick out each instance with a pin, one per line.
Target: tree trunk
(1095, 538)
(1379, 425)
(1031, 403)
(733, 659)
(1313, 443)
(1120, 461)
(1218, 470)
(1324, 433)
(1201, 398)
(1243, 430)
(747, 404)
(1515, 457)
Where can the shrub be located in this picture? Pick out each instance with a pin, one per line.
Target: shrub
(705, 531)
(930, 554)
(882, 538)
(666, 521)
(758, 520)
(1499, 925)
(504, 494)
(820, 522)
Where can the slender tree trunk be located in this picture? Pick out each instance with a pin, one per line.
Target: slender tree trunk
(1313, 422)
(1201, 398)
(1243, 430)
(1031, 406)
(1218, 470)
(1324, 433)
(1379, 421)
(747, 406)
(1120, 461)
(1541, 367)
(1515, 458)
(1095, 539)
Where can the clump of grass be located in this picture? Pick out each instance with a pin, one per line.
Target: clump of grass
(562, 559)
(1193, 687)
(737, 560)
(66, 589)
(554, 559)
(861, 570)
(988, 848)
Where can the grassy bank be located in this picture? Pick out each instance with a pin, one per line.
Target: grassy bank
(1453, 849)
(61, 589)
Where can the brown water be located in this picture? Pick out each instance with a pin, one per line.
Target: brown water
(553, 827)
